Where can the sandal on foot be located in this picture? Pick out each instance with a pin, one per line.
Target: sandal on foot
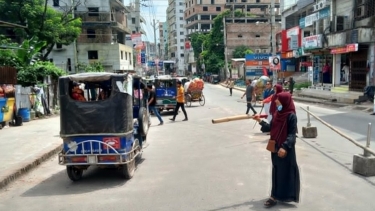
(270, 203)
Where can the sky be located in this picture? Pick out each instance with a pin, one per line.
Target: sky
(156, 9)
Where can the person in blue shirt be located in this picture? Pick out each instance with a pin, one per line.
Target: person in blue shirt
(268, 91)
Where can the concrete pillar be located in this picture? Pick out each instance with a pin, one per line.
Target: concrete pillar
(317, 27)
(336, 70)
(326, 24)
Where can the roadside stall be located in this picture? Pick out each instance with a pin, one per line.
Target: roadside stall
(7, 95)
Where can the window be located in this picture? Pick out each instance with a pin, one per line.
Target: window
(133, 20)
(130, 58)
(193, 9)
(181, 11)
(58, 45)
(257, 35)
(181, 3)
(69, 62)
(91, 33)
(218, 8)
(257, 1)
(182, 55)
(122, 55)
(92, 55)
(205, 9)
(212, 1)
(244, 1)
(181, 33)
(126, 55)
(182, 25)
(93, 11)
(56, 3)
(181, 18)
(239, 36)
(182, 47)
(182, 40)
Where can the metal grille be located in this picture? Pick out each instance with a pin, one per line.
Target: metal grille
(358, 73)
(364, 9)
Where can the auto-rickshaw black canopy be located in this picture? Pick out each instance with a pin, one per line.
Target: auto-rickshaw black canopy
(112, 116)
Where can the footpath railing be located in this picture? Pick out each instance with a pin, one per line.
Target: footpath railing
(362, 164)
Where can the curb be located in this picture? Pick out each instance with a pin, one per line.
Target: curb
(306, 100)
(15, 174)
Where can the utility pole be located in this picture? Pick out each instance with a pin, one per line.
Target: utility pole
(137, 30)
(74, 43)
(154, 26)
(273, 39)
(225, 51)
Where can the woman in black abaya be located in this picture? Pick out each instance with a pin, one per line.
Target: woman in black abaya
(285, 173)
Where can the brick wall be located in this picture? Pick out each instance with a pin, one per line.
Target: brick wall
(249, 33)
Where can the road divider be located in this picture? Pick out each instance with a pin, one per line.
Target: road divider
(362, 164)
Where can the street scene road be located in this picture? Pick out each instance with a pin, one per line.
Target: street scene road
(196, 165)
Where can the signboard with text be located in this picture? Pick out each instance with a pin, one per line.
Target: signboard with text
(348, 48)
(310, 19)
(312, 42)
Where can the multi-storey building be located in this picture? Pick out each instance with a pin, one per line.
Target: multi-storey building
(254, 29)
(103, 37)
(199, 14)
(333, 34)
(176, 33)
(161, 43)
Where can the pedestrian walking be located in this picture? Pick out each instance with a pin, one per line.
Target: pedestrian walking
(230, 86)
(152, 103)
(291, 83)
(180, 102)
(285, 173)
(250, 92)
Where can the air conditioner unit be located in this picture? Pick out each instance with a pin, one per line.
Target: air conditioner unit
(320, 5)
(360, 11)
(341, 23)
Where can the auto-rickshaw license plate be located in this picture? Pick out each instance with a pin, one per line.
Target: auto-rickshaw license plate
(92, 159)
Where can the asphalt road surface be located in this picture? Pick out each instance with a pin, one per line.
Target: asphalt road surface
(196, 165)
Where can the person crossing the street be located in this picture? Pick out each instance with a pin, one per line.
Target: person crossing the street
(180, 101)
(152, 103)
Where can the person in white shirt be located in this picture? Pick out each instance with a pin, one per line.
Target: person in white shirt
(346, 72)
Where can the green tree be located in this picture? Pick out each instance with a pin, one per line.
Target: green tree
(241, 51)
(92, 67)
(42, 21)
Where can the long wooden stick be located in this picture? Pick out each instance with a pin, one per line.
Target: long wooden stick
(340, 133)
(232, 118)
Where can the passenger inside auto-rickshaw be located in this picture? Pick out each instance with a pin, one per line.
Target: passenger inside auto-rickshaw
(95, 91)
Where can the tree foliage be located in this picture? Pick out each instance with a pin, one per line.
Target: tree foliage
(42, 21)
(241, 51)
(34, 74)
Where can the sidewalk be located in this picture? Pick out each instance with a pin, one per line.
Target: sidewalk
(365, 107)
(25, 147)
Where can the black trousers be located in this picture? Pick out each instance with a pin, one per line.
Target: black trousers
(249, 106)
(230, 91)
(182, 105)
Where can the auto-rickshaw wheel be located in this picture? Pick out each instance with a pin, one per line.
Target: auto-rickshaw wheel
(74, 173)
(128, 169)
(139, 149)
(143, 121)
(202, 100)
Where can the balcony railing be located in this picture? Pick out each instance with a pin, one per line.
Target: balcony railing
(97, 38)
(115, 19)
